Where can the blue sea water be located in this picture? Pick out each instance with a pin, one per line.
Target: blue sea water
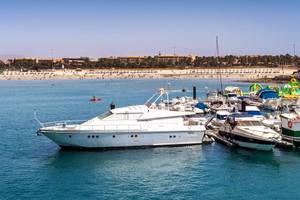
(33, 167)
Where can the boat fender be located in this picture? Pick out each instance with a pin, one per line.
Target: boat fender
(290, 124)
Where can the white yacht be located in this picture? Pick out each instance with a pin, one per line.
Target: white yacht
(132, 126)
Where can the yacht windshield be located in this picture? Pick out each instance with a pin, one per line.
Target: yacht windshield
(104, 115)
(249, 123)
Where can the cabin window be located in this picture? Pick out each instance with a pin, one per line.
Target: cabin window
(97, 136)
(89, 136)
(113, 136)
(135, 135)
(93, 136)
(70, 136)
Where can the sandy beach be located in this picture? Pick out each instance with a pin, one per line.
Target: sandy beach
(236, 73)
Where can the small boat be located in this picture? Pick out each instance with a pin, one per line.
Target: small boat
(290, 127)
(244, 110)
(219, 103)
(268, 98)
(249, 132)
(232, 93)
(219, 119)
(95, 99)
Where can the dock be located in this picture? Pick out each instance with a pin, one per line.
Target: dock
(207, 139)
(214, 134)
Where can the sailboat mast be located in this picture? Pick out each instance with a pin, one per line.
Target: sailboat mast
(220, 74)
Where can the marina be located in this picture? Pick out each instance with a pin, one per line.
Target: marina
(234, 115)
(149, 100)
(69, 99)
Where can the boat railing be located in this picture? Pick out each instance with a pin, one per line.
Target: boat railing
(122, 127)
(102, 127)
(57, 123)
(62, 123)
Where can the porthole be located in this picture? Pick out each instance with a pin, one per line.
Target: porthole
(70, 136)
(131, 136)
(174, 136)
(170, 136)
(113, 136)
(135, 136)
(97, 136)
(93, 136)
(89, 136)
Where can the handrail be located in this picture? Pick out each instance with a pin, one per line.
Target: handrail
(65, 122)
(36, 119)
(112, 127)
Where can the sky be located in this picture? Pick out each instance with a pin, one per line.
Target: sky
(101, 28)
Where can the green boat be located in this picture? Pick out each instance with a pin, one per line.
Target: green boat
(291, 128)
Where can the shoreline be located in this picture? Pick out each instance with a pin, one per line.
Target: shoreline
(242, 74)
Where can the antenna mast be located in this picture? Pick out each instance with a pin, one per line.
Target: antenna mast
(294, 59)
(220, 74)
(294, 49)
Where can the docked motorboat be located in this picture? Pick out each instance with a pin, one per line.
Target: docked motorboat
(183, 104)
(219, 119)
(233, 93)
(243, 110)
(133, 126)
(249, 132)
(290, 127)
(220, 105)
(268, 98)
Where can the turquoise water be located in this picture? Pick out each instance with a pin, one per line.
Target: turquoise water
(33, 167)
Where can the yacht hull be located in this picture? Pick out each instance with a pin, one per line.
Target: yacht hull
(100, 140)
(248, 142)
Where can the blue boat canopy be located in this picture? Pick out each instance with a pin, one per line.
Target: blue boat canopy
(201, 106)
(267, 94)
